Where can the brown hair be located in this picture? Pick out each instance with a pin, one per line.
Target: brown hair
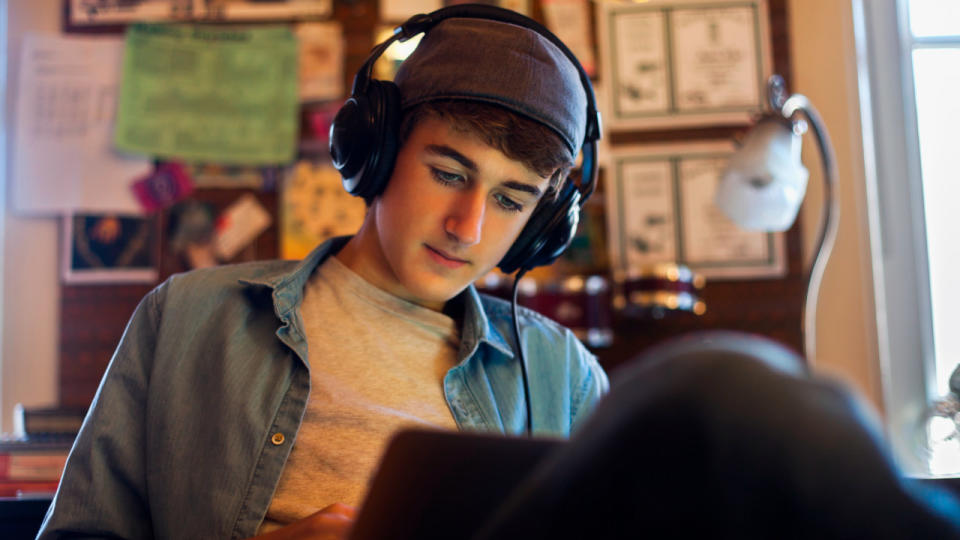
(518, 137)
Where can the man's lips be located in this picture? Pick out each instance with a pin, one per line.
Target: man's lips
(445, 258)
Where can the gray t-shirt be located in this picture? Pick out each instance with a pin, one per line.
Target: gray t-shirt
(377, 364)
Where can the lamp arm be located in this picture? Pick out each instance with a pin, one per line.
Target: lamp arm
(791, 109)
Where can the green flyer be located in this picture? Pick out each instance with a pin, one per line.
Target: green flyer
(212, 94)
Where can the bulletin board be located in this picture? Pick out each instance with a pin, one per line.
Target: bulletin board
(94, 315)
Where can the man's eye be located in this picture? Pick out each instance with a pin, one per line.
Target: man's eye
(445, 177)
(507, 203)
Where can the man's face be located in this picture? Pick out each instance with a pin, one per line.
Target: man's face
(452, 209)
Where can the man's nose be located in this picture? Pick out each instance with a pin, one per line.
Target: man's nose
(465, 220)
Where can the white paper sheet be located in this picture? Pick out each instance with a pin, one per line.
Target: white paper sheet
(321, 60)
(239, 225)
(63, 159)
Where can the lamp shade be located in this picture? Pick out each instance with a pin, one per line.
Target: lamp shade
(765, 181)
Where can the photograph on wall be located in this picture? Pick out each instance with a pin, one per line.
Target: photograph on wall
(265, 10)
(679, 63)
(86, 13)
(109, 248)
(660, 209)
(118, 12)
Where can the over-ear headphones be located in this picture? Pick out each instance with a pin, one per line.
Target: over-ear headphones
(364, 140)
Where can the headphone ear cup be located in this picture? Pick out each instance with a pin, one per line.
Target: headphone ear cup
(363, 139)
(385, 102)
(547, 234)
(351, 138)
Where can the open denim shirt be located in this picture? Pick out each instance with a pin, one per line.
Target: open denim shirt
(200, 406)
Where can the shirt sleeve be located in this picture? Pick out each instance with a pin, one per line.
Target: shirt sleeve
(590, 385)
(103, 491)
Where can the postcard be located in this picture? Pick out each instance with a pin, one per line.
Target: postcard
(109, 248)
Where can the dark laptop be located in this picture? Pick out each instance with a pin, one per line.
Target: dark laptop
(436, 484)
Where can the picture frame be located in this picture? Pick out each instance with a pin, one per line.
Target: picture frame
(109, 248)
(683, 63)
(659, 203)
(113, 15)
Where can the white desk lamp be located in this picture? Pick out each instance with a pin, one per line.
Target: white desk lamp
(765, 182)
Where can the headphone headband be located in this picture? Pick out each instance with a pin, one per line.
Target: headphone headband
(423, 22)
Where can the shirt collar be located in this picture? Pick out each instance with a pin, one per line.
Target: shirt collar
(287, 286)
(477, 327)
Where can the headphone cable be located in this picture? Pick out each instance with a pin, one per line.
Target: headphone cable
(523, 362)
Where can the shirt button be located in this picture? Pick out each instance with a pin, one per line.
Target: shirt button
(277, 438)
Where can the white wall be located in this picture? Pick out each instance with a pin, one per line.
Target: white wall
(31, 287)
(823, 58)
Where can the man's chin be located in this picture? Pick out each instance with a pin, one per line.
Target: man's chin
(437, 293)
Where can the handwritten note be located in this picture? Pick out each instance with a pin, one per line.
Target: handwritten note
(63, 159)
(200, 93)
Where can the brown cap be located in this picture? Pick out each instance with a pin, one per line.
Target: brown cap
(498, 63)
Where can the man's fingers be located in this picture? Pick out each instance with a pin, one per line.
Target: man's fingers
(341, 509)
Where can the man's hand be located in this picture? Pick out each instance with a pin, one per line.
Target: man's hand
(331, 523)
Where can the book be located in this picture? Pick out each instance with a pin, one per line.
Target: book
(39, 459)
(23, 488)
(10, 444)
(32, 466)
(28, 422)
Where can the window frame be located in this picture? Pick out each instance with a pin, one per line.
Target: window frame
(897, 223)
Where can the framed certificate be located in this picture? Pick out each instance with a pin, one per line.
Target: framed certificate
(660, 209)
(674, 63)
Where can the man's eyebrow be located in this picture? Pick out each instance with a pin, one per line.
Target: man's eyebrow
(520, 186)
(446, 151)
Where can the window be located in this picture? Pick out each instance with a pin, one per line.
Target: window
(910, 76)
(934, 42)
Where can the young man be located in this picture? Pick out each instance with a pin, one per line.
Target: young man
(257, 398)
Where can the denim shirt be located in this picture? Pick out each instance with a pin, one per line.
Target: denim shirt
(200, 405)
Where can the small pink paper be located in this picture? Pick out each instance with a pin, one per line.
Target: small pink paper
(166, 185)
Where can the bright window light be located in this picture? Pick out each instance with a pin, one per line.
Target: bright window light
(930, 18)
(937, 83)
